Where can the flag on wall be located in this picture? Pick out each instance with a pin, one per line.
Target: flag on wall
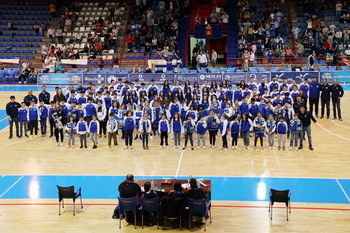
(208, 31)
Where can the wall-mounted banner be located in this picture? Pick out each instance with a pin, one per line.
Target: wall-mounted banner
(342, 76)
(59, 79)
(158, 78)
(234, 78)
(210, 77)
(298, 76)
(190, 77)
(208, 31)
(94, 79)
(115, 77)
(259, 76)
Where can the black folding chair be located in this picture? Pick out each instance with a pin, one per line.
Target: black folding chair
(172, 208)
(150, 205)
(199, 208)
(68, 193)
(282, 196)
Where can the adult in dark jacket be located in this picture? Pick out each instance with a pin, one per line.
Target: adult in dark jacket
(59, 96)
(337, 94)
(12, 113)
(30, 97)
(195, 192)
(306, 117)
(325, 97)
(44, 95)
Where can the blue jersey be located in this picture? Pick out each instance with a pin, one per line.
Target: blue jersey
(22, 114)
(176, 125)
(282, 128)
(234, 127)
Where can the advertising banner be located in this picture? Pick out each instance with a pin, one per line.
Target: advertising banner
(298, 76)
(190, 77)
(59, 79)
(234, 78)
(94, 78)
(210, 77)
(115, 77)
(259, 76)
(158, 78)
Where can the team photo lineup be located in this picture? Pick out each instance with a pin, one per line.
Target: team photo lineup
(179, 113)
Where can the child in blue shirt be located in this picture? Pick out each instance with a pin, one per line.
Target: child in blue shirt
(82, 129)
(189, 127)
(176, 127)
(164, 129)
(94, 129)
(23, 120)
(234, 128)
(145, 128)
(270, 130)
(259, 126)
(282, 129)
(201, 130)
(295, 131)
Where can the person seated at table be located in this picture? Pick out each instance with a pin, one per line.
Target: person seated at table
(177, 191)
(148, 193)
(127, 189)
(195, 192)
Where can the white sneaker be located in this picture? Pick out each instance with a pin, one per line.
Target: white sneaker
(56, 145)
(248, 147)
(254, 147)
(225, 149)
(213, 146)
(107, 146)
(151, 137)
(233, 147)
(204, 147)
(296, 148)
(167, 147)
(61, 144)
(116, 146)
(125, 147)
(130, 147)
(290, 148)
(198, 147)
(273, 148)
(236, 147)
(161, 147)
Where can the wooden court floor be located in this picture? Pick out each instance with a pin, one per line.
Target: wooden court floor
(330, 159)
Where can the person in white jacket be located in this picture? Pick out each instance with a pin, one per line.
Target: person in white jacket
(112, 128)
(145, 129)
(102, 116)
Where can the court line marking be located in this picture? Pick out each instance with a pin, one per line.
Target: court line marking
(11, 186)
(13, 143)
(3, 119)
(179, 164)
(213, 206)
(332, 132)
(342, 189)
(346, 127)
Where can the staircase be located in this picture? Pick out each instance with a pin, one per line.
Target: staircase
(232, 33)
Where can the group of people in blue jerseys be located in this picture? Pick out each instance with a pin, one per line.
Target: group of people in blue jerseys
(181, 111)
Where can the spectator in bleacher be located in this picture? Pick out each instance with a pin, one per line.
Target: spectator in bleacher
(78, 37)
(59, 35)
(68, 24)
(52, 8)
(115, 62)
(130, 41)
(197, 19)
(214, 57)
(338, 7)
(51, 34)
(44, 51)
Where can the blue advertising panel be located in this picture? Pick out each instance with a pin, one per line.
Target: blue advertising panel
(342, 76)
(59, 79)
(233, 78)
(115, 77)
(259, 76)
(190, 77)
(298, 76)
(93, 78)
(158, 78)
(210, 77)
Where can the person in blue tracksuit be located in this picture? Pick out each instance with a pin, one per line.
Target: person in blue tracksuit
(23, 120)
(314, 98)
(189, 127)
(270, 130)
(246, 126)
(129, 126)
(163, 129)
(176, 127)
(94, 129)
(296, 127)
(44, 112)
(90, 110)
(224, 131)
(259, 127)
(71, 131)
(82, 130)
(64, 107)
(33, 119)
(145, 129)
(213, 126)
(157, 113)
(174, 107)
(282, 129)
(201, 130)
(138, 117)
(305, 88)
(234, 128)
(244, 107)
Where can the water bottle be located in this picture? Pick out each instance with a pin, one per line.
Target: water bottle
(152, 184)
